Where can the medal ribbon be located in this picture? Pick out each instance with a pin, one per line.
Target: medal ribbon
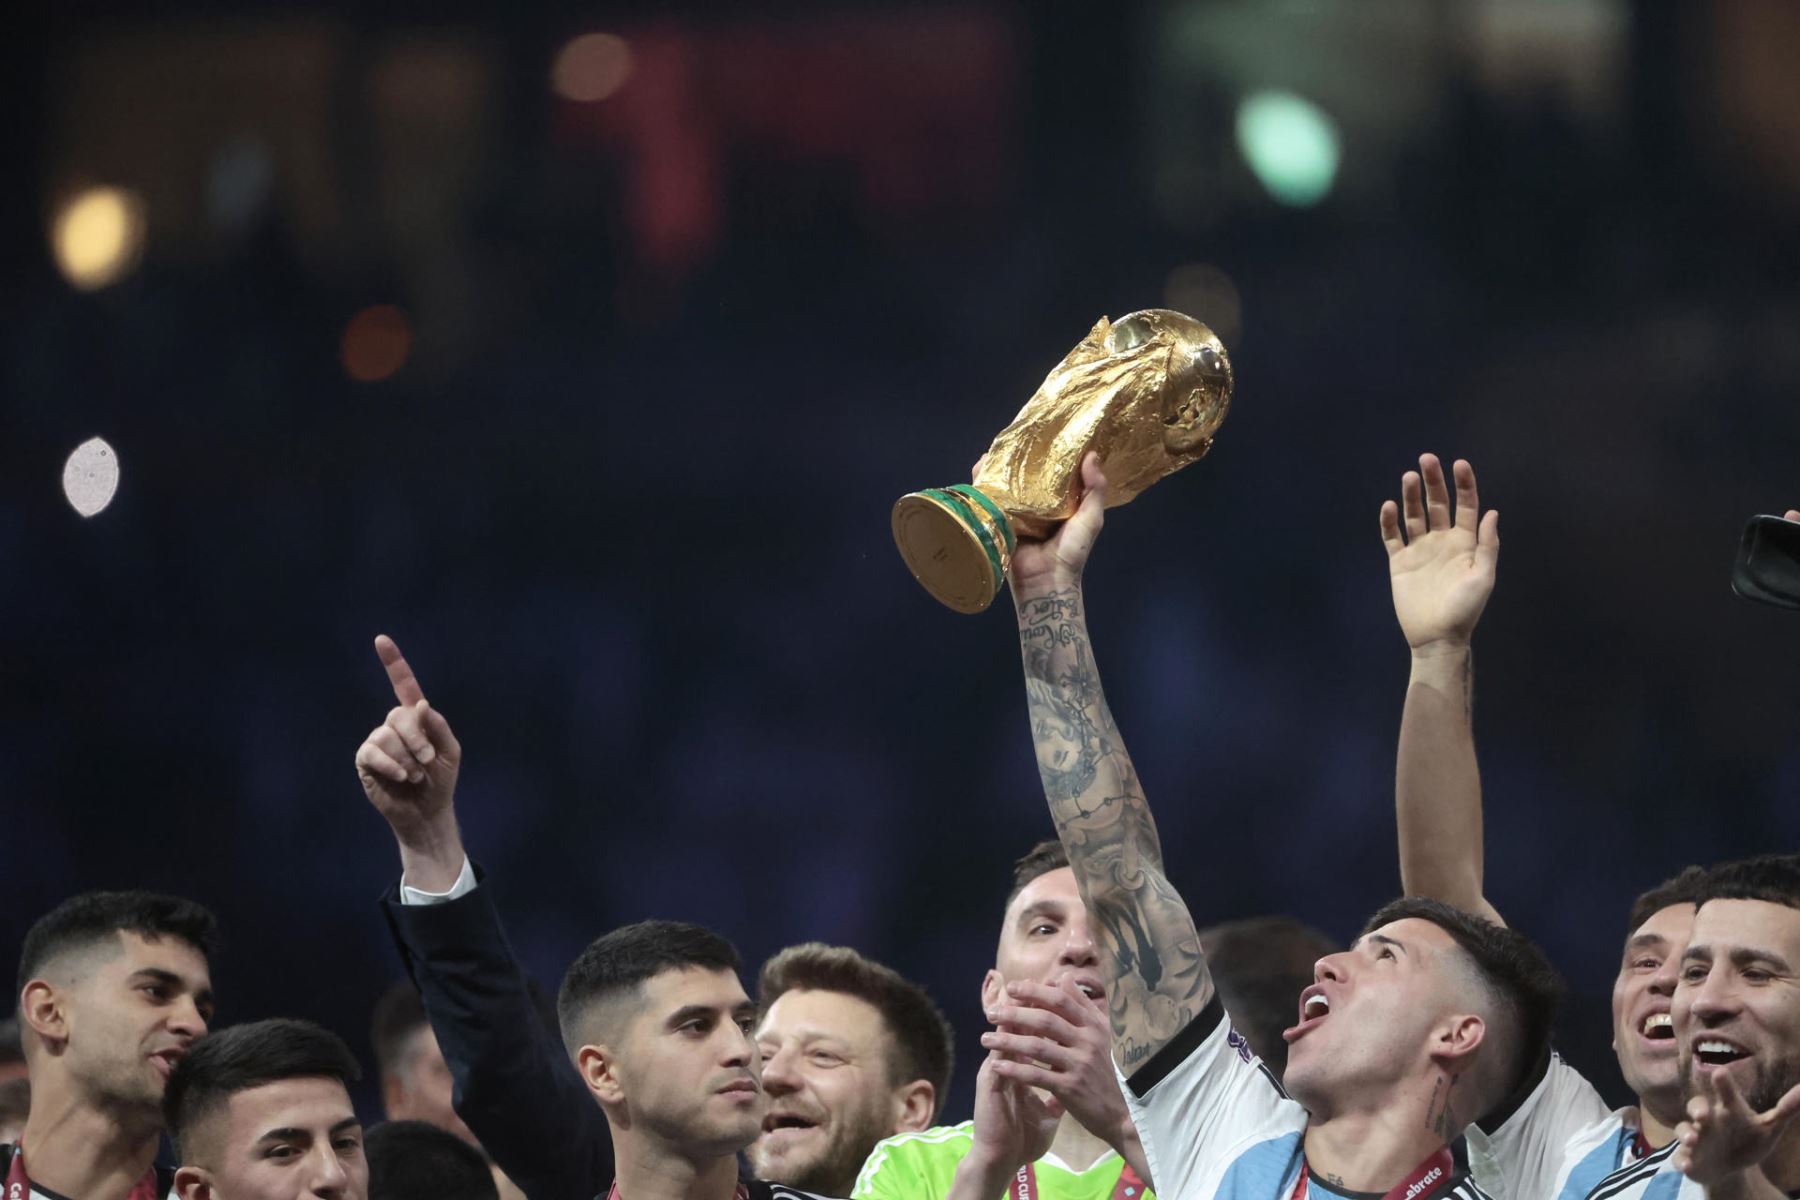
(1024, 1185)
(1420, 1184)
(18, 1184)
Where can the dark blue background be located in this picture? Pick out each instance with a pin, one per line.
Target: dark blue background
(639, 553)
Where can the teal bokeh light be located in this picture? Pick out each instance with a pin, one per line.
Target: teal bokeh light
(1291, 145)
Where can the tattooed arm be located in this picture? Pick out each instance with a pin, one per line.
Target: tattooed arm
(1157, 976)
(1442, 575)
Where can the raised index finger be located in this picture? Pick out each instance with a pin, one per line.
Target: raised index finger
(406, 686)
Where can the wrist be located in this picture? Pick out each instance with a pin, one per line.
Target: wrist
(1442, 649)
(431, 855)
(1044, 586)
(984, 1172)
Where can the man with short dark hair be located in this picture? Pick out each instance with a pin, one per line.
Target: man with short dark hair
(262, 1112)
(415, 1160)
(852, 1051)
(113, 988)
(1426, 1024)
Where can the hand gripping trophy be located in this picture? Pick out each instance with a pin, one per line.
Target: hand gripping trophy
(1146, 392)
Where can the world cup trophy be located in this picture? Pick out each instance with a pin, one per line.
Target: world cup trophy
(1146, 392)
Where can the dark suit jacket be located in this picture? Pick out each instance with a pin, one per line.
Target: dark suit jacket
(515, 1086)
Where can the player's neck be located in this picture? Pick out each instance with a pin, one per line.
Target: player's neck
(1369, 1151)
(1076, 1146)
(650, 1169)
(76, 1149)
(1657, 1133)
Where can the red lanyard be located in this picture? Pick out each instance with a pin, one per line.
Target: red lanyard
(1420, 1184)
(742, 1193)
(1024, 1185)
(18, 1184)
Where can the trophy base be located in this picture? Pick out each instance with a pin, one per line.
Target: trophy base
(957, 544)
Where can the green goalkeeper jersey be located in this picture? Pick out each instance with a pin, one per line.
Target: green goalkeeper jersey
(921, 1166)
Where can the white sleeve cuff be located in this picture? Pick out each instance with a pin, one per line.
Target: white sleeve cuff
(465, 883)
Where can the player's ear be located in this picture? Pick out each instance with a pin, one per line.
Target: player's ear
(44, 1008)
(993, 989)
(1456, 1040)
(599, 1069)
(193, 1183)
(915, 1104)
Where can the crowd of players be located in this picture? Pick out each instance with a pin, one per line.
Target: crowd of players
(1130, 1050)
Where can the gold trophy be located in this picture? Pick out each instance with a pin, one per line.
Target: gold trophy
(1147, 392)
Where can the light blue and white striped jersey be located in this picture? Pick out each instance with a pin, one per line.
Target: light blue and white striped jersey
(1216, 1125)
(1556, 1144)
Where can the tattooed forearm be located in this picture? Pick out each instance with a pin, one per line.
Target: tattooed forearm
(1159, 977)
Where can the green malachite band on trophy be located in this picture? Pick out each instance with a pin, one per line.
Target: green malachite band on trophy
(968, 517)
(993, 510)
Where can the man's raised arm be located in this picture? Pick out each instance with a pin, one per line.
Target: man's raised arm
(515, 1086)
(1157, 977)
(1442, 574)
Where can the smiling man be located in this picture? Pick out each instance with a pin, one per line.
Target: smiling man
(113, 989)
(262, 1112)
(1558, 1138)
(1737, 1029)
(853, 1052)
(1422, 1027)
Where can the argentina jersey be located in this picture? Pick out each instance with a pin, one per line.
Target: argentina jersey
(1652, 1177)
(1558, 1143)
(1215, 1123)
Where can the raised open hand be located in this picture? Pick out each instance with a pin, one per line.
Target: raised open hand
(1056, 562)
(1723, 1135)
(408, 766)
(1442, 572)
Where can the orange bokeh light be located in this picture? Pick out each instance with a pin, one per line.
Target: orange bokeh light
(376, 343)
(591, 67)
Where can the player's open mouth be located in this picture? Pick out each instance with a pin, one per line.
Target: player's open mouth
(776, 1121)
(1717, 1052)
(1315, 1006)
(1091, 989)
(1658, 1027)
(165, 1060)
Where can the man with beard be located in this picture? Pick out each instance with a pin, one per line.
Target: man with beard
(1737, 1031)
(113, 989)
(1046, 995)
(1558, 1138)
(513, 1084)
(852, 1051)
(1428, 1021)
(262, 1112)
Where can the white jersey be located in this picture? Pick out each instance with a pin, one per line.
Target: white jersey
(1556, 1144)
(1216, 1125)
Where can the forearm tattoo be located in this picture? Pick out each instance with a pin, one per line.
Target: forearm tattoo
(1159, 981)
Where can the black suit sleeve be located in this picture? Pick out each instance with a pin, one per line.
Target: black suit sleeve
(515, 1086)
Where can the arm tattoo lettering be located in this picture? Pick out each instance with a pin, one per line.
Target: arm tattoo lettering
(1159, 980)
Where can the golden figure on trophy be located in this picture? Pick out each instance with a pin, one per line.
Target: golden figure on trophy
(1146, 392)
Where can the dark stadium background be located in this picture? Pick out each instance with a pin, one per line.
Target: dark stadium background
(675, 352)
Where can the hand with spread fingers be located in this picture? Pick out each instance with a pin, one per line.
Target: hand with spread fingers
(1057, 1038)
(1057, 561)
(408, 766)
(1724, 1141)
(1013, 1126)
(1442, 572)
